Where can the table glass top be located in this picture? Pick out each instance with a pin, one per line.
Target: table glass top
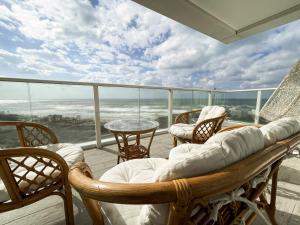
(131, 125)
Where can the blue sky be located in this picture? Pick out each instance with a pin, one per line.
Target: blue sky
(119, 41)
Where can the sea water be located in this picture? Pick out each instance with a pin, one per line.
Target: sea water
(73, 119)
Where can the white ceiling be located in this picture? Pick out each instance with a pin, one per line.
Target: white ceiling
(228, 20)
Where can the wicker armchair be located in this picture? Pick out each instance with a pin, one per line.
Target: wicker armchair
(190, 199)
(198, 132)
(31, 174)
(37, 169)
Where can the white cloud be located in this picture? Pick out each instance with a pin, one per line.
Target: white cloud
(119, 41)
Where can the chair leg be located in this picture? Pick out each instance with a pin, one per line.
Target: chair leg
(271, 210)
(68, 204)
(118, 160)
(174, 141)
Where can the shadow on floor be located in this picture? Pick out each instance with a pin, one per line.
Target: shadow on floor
(284, 218)
(288, 174)
(81, 216)
(109, 150)
(288, 193)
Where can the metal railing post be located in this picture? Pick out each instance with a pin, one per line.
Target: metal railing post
(258, 105)
(97, 116)
(209, 98)
(170, 108)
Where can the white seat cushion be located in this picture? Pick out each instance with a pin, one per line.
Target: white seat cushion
(132, 171)
(182, 130)
(239, 143)
(70, 152)
(4, 196)
(209, 112)
(279, 130)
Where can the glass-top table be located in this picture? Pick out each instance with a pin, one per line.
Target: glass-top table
(125, 128)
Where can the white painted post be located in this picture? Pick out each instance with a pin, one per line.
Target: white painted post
(30, 101)
(97, 116)
(258, 105)
(209, 98)
(139, 103)
(170, 108)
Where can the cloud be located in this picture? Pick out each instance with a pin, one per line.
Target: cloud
(119, 41)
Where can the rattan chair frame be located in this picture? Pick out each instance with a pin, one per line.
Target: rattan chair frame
(184, 195)
(202, 131)
(58, 185)
(32, 134)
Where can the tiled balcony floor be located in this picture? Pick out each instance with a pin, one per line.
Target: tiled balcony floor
(50, 210)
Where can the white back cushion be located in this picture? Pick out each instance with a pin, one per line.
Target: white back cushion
(239, 143)
(279, 130)
(209, 112)
(197, 162)
(181, 151)
(219, 151)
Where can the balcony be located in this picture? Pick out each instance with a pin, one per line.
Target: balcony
(77, 111)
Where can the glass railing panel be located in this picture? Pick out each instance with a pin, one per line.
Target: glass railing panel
(200, 99)
(182, 102)
(154, 106)
(117, 103)
(67, 109)
(240, 105)
(14, 105)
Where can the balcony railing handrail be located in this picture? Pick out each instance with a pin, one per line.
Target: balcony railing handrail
(83, 83)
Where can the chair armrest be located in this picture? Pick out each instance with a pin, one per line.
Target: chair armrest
(184, 117)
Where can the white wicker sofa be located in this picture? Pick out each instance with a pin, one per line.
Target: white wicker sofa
(188, 165)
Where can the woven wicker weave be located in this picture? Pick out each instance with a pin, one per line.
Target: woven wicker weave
(285, 101)
(32, 134)
(202, 131)
(31, 174)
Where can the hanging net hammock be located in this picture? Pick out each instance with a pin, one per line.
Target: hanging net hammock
(285, 101)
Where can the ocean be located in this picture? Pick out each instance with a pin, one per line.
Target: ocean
(73, 119)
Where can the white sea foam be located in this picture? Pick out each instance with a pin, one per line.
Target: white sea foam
(109, 110)
(5, 102)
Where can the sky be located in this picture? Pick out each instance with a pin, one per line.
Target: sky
(119, 41)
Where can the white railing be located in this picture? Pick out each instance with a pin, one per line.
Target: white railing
(213, 97)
